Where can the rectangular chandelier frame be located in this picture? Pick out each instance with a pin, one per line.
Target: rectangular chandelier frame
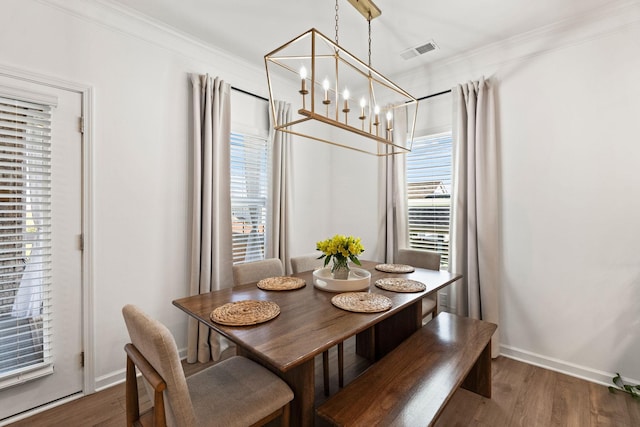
(371, 131)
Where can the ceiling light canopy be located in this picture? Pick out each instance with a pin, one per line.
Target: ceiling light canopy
(339, 99)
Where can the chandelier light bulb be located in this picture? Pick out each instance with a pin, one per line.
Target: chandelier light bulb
(303, 85)
(345, 109)
(325, 86)
(376, 118)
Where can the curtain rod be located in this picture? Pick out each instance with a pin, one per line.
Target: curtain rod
(434, 95)
(249, 93)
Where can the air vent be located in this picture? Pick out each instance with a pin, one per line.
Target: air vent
(426, 48)
(412, 52)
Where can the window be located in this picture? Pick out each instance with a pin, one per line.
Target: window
(25, 236)
(249, 195)
(429, 174)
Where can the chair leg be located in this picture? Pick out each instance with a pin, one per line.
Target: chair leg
(341, 364)
(131, 392)
(285, 420)
(325, 371)
(159, 419)
(433, 312)
(156, 414)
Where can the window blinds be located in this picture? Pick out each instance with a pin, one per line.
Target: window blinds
(25, 238)
(429, 174)
(249, 195)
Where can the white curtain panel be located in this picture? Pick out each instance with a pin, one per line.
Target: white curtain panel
(475, 250)
(279, 241)
(393, 200)
(211, 244)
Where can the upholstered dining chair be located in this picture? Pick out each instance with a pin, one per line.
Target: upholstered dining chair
(306, 262)
(234, 392)
(256, 270)
(311, 262)
(422, 259)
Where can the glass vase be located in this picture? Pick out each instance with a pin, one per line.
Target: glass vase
(340, 269)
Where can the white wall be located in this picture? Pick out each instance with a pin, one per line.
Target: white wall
(354, 202)
(568, 104)
(335, 192)
(312, 209)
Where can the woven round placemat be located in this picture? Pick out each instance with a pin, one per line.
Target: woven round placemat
(400, 285)
(243, 313)
(395, 268)
(361, 302)
(281, 283)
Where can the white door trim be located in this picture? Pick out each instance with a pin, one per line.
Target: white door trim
(88, 326)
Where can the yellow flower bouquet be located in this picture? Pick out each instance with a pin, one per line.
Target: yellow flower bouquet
(340, 249)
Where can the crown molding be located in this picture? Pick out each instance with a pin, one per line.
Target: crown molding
(124, 20)
(616, 16)
(613, 17)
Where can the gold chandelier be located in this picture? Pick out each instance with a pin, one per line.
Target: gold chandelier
(324, 81)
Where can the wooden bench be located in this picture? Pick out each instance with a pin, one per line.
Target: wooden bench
(411, 385)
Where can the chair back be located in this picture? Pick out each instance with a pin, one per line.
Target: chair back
(419, 258)
(257, 270)
(306, 263)
(154, 341)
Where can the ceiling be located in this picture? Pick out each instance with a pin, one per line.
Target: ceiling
(252, 28)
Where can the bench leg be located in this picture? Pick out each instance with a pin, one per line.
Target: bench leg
(478, 380)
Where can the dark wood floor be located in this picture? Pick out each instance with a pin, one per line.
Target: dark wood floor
(523, 396)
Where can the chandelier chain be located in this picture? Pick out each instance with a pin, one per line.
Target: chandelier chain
(369, 39)
(337, 22)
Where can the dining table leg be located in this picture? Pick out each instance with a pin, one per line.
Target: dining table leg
(301, 380)
(373, 343)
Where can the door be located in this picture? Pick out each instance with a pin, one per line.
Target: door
(46, 230)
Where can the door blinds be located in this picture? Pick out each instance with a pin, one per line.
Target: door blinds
(25, 239)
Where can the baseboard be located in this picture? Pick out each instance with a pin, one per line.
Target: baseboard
(557, 365)
(39, 409)
(111, 379)
(119, 376)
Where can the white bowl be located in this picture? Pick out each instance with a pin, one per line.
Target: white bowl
(359, 279)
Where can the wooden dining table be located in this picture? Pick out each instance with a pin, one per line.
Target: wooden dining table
(309, 324)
